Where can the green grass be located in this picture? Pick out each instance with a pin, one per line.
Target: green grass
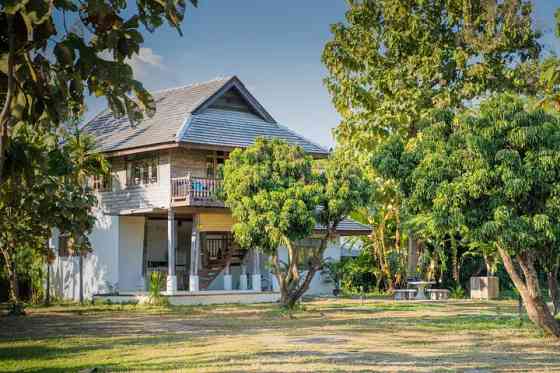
(323, 335)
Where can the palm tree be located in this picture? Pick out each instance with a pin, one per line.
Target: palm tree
(87, 163)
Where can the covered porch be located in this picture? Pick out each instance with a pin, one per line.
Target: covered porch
(195, 250)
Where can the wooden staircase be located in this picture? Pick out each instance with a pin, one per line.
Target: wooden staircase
(216, 255)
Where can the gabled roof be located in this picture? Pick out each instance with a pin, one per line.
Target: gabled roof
(238, 130)
(186, 115)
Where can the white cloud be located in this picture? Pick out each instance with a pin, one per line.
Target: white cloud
(146, 59)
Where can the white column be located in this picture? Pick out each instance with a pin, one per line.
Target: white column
(243, 278)
(256, 278)
(227, 278)
(275, 285)
(195, 244)
(171, 235)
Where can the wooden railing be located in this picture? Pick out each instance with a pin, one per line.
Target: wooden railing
(195, 190)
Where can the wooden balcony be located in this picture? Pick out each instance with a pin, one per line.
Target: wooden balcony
(195, 191)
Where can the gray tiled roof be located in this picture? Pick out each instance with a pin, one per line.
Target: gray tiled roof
(350, 226)
(172, 108)
(239, 129)
(182, 116)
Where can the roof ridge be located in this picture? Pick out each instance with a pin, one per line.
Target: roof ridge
(192, 85)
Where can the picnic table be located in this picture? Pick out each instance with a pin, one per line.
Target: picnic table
(421, 285)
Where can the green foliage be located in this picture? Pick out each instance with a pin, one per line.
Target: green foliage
(269, 188)
(493, 176)
(94, 42)
(360, 274)
(394, 61)
(42, 189)
(157, 280)
(457, 292)
(278, 198)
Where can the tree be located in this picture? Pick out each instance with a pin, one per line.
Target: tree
(53, 52)
(40, 193)
(277, 200)
(494, 175)
(394, 62)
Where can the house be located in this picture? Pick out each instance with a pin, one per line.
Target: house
(158, 210)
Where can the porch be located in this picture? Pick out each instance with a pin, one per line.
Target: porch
(197, 255)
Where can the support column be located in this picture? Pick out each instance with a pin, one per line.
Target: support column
(243, 277)
(227, 278)
(171, 277)
(256, 278)
(195, 249)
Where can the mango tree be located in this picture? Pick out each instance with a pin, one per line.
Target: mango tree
(493, 174)
(393, 62)
(277, 199)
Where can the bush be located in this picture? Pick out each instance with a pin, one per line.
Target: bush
(157, 281)
(457, 292)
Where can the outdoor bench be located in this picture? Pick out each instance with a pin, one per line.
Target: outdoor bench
(404, 294)
(438, 294)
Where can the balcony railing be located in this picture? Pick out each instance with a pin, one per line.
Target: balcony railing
(196, 191)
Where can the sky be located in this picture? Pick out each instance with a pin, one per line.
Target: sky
(274, 47)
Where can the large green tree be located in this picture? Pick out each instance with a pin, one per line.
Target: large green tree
(277, 199)
(494, 176)
(40, 192)
(393, 62)
(55, 52)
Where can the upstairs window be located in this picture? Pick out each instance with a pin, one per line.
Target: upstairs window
(213, 162)
(142, 171)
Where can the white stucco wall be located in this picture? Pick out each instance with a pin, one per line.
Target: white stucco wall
(131, 241)
(101, 271)
(319, 285)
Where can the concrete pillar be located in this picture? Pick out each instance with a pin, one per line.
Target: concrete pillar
(227, 278)
(256, 278)
(171, 239)
(275, 285)
(195, 249)
(243, 278)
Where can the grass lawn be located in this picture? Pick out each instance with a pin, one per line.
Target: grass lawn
(329, 336)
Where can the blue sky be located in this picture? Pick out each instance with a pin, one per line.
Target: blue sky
(274, 47)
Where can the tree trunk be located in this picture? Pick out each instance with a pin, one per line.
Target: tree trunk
(554, 290)
(16, 308)
(455, 260)
(5, 113)
(412, 255)
(48, 287)
(81, 268)
(528, 288)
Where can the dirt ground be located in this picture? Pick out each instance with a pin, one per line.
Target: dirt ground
(327, 336)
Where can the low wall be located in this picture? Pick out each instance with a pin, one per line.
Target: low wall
(199, 298)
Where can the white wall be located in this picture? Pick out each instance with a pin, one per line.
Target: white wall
(319, 285)
(131, 241)
(101, 272)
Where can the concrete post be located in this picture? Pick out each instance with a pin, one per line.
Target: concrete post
(171, 236)
(195, 246)
(243, 278)
(227, 278)
(256, 278)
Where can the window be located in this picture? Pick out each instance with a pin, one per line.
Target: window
(142, 171)
(63, 250)
(214, 162)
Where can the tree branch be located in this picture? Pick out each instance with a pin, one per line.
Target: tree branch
(4, 115)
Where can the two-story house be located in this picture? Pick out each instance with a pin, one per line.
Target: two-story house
(158, 210)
